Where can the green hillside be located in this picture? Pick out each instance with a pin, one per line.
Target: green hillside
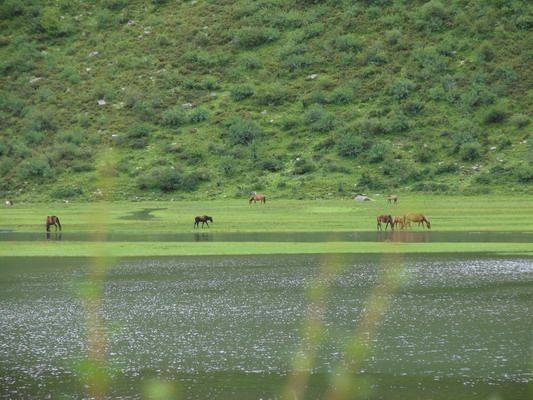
(171, 99)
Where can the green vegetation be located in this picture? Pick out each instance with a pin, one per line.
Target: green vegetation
(215, 99)
(482, 213)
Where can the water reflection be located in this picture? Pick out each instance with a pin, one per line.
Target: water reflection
(404, 236)
(53, 236)
(203, 237)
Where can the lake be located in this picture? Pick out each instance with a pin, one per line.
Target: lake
(225, 327)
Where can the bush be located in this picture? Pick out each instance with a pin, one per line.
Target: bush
(303, 166)
(274, 95)
(34, 138)
(470, 151)
(319, 119)
(138, 130)
(209, 83)
(40, 120)
(400, 88)
(524, 174)
(432, 16)
(255, 36)
(271, 164)
(495, 115)
(244, 132)
(199, 114)
(251, 61)
(519, 120)
(66, 192)
(11, 8)
(71, 136)
(297, 61)
(379, 152)
(349, 145)
(37, 167)
(316, 97)
(173, 117)
(228, 165)
(505, 72)
(349, 42)
(169, 179)
(342, 95)
(241, 92)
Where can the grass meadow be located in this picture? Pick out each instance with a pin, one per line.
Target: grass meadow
(446, 213)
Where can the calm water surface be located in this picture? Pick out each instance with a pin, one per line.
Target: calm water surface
(309, 237)
(227, 327)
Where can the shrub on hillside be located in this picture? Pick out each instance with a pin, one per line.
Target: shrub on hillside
(303, 166)
(37, 167)
(349, 42)
(432, 16)
(41, 120)
(379, 152)
(169, 179)
(524, 174)
(173, 117)
(319, 119)
(34, 138)
(470, 151)
(11, 8)
(138, 130)
(297, 61)
(342, 95)
(349, 145)
(228, 165)
(495, 115)
(400, 88)
(71, 136)
(241, 92)
(243, 132)
(271, 164)
(519, 120)
(199, 114)
(254, 36)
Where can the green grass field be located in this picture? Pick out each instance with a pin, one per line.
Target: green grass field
(447, 213)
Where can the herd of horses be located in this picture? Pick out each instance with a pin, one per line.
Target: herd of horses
(403, 222)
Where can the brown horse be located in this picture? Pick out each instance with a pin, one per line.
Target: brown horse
(203, 219)
(398, 221)
(261, 198)
(420, 218)
(53, 220)
(392, 199)
(387, 219)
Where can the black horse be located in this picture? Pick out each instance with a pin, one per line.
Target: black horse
(203, 219)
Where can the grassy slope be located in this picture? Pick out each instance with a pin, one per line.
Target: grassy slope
(461, 63)
(446, 213)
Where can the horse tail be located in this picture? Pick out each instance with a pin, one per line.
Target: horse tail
(58, 223)
(264, 199)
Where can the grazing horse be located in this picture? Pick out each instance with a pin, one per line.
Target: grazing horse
(387, 219)
(392, 199)
(420, 218)
(261, 198)
(398, 221)
(53, 220)
(203, 219)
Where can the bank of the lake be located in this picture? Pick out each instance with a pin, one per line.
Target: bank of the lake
(447, 214)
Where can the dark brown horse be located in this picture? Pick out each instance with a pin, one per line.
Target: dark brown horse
(392, 199)
(203, 219)
(398, 221)
(387, 219)
(420, 218)
(261, 198)
(53, 220)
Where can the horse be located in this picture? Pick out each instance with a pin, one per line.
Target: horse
(9, 202)
(398, 221)
(420, 218)
(261, 198)
(203, 219)
(392, 199)
(387, 219)
(53, 220)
